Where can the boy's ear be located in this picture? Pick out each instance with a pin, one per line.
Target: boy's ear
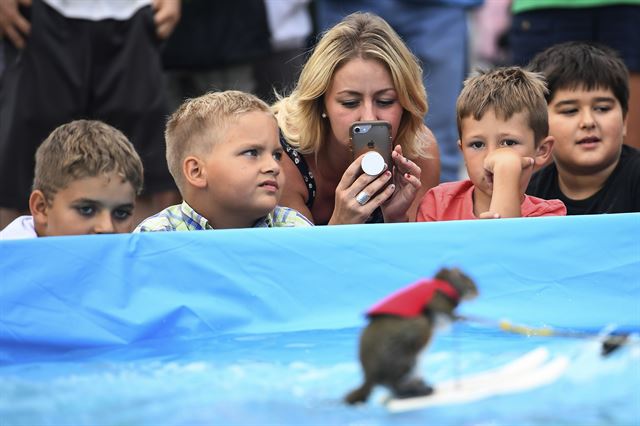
(543, 151)
(459, 145)
(39, 207)
(194, 172)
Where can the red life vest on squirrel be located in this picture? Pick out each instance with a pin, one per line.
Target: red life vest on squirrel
(411, 301)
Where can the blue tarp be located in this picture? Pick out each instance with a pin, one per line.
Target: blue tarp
(261, 325)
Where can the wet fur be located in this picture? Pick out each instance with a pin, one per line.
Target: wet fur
(390, 345)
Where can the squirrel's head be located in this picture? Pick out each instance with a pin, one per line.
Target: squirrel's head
(460, 281)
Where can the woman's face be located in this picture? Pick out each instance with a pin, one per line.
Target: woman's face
(362, 89)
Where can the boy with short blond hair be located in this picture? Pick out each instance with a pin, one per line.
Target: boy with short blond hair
(593, 170)
(502, 123)
(224, 154)
(87, 177)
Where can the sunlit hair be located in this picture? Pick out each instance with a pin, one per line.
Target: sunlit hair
(575, 65)
(201, 122)
(359, 35)
(81, 149)
(506, 91)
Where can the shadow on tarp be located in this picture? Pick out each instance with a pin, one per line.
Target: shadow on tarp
(261, 325)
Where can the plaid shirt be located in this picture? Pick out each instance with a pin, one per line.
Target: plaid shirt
(182, 217)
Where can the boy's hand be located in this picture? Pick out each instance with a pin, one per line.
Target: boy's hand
(489, 215)
(507, 160)
(508, 173)
(12, 24)
(166, 16)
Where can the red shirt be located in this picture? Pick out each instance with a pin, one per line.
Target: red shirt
(454, 201)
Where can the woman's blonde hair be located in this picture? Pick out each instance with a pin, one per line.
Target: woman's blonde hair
(359, 35)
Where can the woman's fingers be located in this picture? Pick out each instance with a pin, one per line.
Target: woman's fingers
(350, 175)
(403, 164)
(371, 184)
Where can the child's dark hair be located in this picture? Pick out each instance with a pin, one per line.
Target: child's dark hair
(577, 64)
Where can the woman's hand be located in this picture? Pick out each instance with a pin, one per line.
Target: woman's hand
(406, 178)
(357, 194)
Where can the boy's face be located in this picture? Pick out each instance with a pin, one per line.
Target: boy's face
(589, 129)
(481, 138)
(243, 171)
(93, 205)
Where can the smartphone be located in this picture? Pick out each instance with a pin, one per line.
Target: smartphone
(368, 136)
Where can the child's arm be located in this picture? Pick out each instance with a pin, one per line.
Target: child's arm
(506, 168)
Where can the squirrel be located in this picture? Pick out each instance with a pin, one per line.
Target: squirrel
(401, 326)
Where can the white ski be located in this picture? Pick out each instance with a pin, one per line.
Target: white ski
(526, 372)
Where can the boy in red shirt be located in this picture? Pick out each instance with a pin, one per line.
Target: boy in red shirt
(503, 128)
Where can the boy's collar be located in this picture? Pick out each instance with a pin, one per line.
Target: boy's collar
(195, 219)
(202, 222)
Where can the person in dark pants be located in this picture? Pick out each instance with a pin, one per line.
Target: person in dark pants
(69, 60)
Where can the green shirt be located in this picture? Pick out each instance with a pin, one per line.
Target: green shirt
(526, 5)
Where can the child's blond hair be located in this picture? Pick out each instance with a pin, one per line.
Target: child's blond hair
(508, 91)
(85, 148)
(201, 122)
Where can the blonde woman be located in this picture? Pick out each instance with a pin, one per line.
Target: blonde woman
(359, 70)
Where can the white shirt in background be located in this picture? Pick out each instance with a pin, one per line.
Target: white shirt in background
(21, 228)
(96, 10)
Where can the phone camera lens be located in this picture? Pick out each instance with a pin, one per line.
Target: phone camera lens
(356, 129)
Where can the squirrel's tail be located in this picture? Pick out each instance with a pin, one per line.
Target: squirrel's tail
(360, 394)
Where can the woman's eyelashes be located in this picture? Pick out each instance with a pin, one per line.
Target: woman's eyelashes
(382, 103)
(386, 102)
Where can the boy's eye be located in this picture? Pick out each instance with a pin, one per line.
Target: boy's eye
(85, 210)
(568, 111)
(250, 152)
(509, 142)
(602, 108)
(122, 214)
(476, 145)
(277, 155)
